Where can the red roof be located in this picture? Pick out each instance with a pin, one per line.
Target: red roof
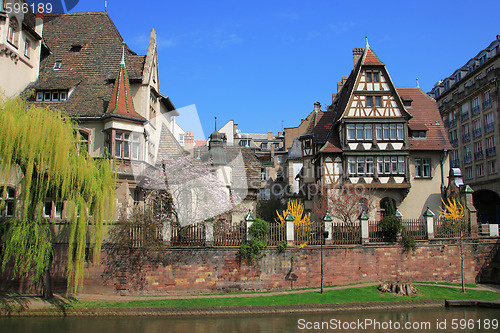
(121, 103)
(425, 115)
(371, 58)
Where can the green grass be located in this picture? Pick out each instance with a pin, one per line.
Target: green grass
(351, 295)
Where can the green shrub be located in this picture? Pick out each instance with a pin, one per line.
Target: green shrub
(259, 229)
(391, 227)
(282, 246)
(254, 248)
(408, 243)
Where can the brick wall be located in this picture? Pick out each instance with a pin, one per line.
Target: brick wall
(217, 269)
(196, 270)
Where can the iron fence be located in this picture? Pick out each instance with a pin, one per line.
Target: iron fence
(444, 228)
(277, 234)
(415, 228)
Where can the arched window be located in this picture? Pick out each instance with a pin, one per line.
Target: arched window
(13, 32)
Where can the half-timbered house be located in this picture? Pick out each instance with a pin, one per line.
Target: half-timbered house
(378, 137)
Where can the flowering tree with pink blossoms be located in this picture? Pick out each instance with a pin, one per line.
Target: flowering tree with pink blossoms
(195, 191)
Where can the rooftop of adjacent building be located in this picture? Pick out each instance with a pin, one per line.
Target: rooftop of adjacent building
(492, 51)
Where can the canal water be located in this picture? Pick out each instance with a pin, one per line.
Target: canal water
(415, 320)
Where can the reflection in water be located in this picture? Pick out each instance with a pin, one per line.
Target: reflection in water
(268, 323)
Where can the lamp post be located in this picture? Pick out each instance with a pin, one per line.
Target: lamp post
(324, 235)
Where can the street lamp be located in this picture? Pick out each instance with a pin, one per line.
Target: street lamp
(324, 235)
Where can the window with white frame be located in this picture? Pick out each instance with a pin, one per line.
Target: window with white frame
(422, 168)
(359, 132)
(27, 48)
(492, 167)
(126, 145)
(361, 165)
(13, 32)
(489, 122)
(468, 173)
(8, 202)
(389, 132)
(391, 165)
(479, 170)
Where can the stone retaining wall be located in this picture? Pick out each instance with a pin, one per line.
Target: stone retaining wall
(209, 270)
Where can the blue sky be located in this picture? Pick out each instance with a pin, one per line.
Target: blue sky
(265, 63)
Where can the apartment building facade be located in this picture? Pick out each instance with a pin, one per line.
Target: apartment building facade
(469, 103)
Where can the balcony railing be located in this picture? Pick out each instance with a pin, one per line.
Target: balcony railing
(466, 137)
(475, 110)
(476, 133)
(486, 104)
(468, 158)
(478, 155)
(454, 142)
(452, 123)
(489, 127)
(491, 151)
(464, 116)
(455, 163)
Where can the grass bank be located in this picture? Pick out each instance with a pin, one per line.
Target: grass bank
(349, 295)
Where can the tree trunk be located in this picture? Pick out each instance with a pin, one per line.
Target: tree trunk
(47, 283)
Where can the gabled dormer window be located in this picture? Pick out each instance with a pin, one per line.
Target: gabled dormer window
(57, 65)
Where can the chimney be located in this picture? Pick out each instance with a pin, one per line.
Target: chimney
(341, 84)
(498, 37)
(39, 21)
(357, 53)
(317, 107)
(270, 135)
(189, 142)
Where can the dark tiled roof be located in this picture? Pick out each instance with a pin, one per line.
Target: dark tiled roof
(249, 162)
(425, 115)
(93, 70)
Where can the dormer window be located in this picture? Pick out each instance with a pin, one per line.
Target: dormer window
(418, 131)
(76, 48)
(51, 96)
(57, 65)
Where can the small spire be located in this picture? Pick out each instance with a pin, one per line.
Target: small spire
(123, 54)
(418, 84)
(367, 45)
(215, 124)
(106, 6)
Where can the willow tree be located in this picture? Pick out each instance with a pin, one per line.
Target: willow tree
(43, 144)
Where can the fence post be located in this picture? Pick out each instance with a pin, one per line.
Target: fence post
(328, 227)
(167, 233)
(249, 219)
(209, 233)
(290, 232)
(365, 229)
(474, 229)
(429, 220)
